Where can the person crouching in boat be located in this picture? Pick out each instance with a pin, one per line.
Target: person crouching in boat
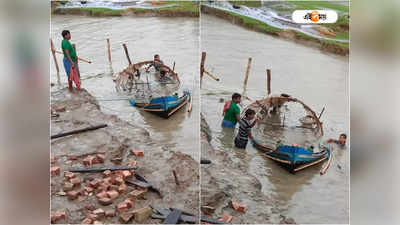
(231, 111)
(157, 63)
(245, 126)
(70, 59)
(341, 141)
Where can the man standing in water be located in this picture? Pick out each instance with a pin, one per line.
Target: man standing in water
(69, 55)
(341, 141)
(245, 126)
(231, 112)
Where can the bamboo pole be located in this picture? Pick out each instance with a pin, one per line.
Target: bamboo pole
(323, 109)
(55, 61)
(77, 64)
(108, 50)
(79, 58)
(246, 75)
(173, 67)
(211, 75)
(78, 131)
(325, 168)
(268, 82)
(190, 104)
(175, 177)
(203, 59)
(127, 54)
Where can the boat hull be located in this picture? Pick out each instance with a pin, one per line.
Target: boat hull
(293, 158)
(166, 106)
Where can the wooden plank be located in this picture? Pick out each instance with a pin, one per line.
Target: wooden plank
(108, 50)
(268, 82)
(203, 59)
(98, 170)
(127, 54)
(246, 75)
(78, 131)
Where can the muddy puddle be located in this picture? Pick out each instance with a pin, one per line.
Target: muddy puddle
(174, 39)
(317, 78)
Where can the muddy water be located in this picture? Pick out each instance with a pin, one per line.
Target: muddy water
(175, 39)
(319, 79)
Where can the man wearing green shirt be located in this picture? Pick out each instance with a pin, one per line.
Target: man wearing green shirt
(231, 112)
(69, 55)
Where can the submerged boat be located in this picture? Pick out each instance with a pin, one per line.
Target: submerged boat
(168, 105)
(155, 91)
(294, 158)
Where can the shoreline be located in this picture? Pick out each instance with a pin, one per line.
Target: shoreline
(115, 141)
(291, 35)
(224, 180)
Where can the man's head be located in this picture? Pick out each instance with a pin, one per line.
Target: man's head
(250, 114)
(236, 98)
(156, 57)
(66, 34)
(342, 139)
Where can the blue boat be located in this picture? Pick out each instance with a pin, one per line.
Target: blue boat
(294, 158)
(168, 105)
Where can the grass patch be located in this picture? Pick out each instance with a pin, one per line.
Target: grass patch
(186, 6)
(304, 5)
(102, 11)
(250, 22)
(255, 4)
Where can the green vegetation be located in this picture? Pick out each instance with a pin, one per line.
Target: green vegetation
(102, 11)
(248, 3)
(253, 23)
(304, 5)
(185, 6)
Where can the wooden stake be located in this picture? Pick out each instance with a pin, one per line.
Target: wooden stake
(190, 103)
(55, 61)
(203, 59)
(77, 64)
(127, 54)
(173, 67)
(108, 50)
(268, 82)
(326, 166)
(246, 75)
(211, 75)
(176, 178)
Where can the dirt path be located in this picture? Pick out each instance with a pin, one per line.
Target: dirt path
(116, 142)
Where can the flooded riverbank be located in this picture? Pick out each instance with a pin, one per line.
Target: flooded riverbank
(175, 39)
(305, 73)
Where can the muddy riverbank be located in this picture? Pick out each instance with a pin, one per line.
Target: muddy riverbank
(115, 143)
(225, 180)
(252, 24)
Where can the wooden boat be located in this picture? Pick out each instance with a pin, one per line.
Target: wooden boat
(294, 158)
(168, 105)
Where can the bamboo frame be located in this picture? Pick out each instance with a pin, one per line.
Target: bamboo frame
(79, 58)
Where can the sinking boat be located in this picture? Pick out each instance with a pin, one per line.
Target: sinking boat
(156, 92)
(294, 158)
(291, 156)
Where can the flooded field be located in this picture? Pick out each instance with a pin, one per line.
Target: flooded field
(174, 39)
(317, 78)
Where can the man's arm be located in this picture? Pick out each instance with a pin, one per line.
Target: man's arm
(238, 117)
(251, 136)
(69, 57)
(254, 123)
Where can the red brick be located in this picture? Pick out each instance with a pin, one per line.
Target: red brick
(108, 180)
(112, 194)
(95, 183)
(239, 207)
(114, 187)
(72, 157)
(110, 213)
(76, 182)
(138, 153)
(104, 186)
(60, 108)
(105, 201)
(69, 175)
(118, 180)
(68, 186)
(87, 221)
(226, 218)
(92, 216)
(90, 207)
(88, 161)
(55, 171)
(107, 173)
(72, 195)
(126, 173)
(57, 215)
(102, 194)
(88, 189)
(53, 159)
(122, 207)
(129, 203)
(99, 212)
(122, 188)
(100, 158)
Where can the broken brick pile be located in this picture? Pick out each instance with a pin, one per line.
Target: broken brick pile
(107, 190)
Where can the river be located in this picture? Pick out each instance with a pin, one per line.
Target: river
(174, 39)
(317, 78)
